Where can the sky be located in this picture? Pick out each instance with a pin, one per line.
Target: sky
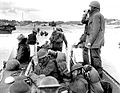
(54, 10)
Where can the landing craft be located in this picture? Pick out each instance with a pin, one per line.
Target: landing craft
(7, 29)
(4, 87)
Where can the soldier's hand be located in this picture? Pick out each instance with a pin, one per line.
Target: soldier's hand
(88, 45)
(66, 48)
(37, 43)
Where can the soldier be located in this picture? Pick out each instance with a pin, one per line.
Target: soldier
(78, 83)
(95, 37)
(83, 38)
(23, 51)
(32, 40)
(56, 40)
(47, 64)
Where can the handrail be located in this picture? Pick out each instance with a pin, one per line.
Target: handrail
(31, 63)
(111, 77)
(2, 70)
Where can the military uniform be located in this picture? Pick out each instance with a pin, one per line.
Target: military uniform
(23, 51)
(32, 38)
(95, 37)
(83, 39)
(56, 40)
(46, 65)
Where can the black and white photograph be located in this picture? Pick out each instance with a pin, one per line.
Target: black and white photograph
(59, 46)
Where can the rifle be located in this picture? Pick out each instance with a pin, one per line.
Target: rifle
(30, 68)
(32, 63)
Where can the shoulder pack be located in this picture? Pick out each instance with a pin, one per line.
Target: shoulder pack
(57, 37)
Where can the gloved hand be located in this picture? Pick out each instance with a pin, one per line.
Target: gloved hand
(88, 45)
(81, 45)
(52, 53)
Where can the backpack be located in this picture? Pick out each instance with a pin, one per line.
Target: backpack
(107, 87)
(56, 37)
(60, 57)
(79, 85)
(31, 39)
(93, 79)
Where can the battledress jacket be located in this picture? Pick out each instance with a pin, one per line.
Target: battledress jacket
(96, 29)
(23, 52)
(48, 68)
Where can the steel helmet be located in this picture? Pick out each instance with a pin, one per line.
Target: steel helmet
(19, 87)
(12, 64)
(76, 66)
(20, 37)
(95, 4)
(34, 31)
(87, 67)
(49, 81)
(42, 53)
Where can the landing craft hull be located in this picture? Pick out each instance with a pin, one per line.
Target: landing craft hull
(4, 88)
(115, 84)
(106, 76)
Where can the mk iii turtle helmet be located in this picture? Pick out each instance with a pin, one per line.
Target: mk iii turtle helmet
(95, 4)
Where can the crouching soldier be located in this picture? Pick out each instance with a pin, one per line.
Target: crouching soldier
(93, 79)
(78, 83)
(47, 64)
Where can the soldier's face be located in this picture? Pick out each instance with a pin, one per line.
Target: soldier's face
(41, 60)
(74, 73)
(91, 9)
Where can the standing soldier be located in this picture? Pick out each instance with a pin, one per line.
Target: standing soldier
(32, 39)
(81, 43)
(95, 36)
(38, 31)
(56, 40)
